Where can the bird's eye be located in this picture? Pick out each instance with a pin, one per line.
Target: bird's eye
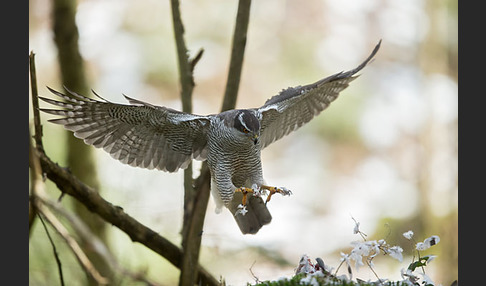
(245, 130)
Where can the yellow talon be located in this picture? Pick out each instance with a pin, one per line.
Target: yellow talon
(273, 190)
(245, 192)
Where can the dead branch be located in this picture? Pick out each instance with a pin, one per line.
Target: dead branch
(34, 165)
(71, 242)
(196, 199)
(35, 103)
(191, 238)
(56, 254)
(87, 236)
(36, 183)
(37, 194)
(69, 184)
(237, 55)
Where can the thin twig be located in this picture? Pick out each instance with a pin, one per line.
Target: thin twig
(369, 265)
(87, 236)
(253, 274)
(185, 70)
(37, 195)
(36, 182)
(35, 103)
(193, 62)
(56, 255)
(237, 55)
(191, 243)
(73, 245)
(202, 183)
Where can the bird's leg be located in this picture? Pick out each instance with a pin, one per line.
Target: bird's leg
(245, 191)
(283, 191)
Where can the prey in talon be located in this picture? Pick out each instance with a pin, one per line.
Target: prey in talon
(145, 135)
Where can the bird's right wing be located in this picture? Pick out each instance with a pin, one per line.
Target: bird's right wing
(295, 106)
(139, 134)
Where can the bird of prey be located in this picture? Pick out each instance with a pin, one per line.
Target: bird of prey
(148, 136)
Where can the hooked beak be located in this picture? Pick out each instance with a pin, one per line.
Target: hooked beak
(255, 138)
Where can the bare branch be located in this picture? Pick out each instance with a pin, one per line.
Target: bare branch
(69, 184)
(193, 62)
(37, 193)
(36, 183)
(237, 55)
(253, 274)
(87, 236)
(35, 102)
(54, 249)
(185, 70)
(71, 242)
(195, 205)
(189, 245)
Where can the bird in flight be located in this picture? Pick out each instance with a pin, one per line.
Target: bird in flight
(144, 135)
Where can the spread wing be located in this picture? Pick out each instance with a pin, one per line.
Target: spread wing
(295, 106)
(139, 134)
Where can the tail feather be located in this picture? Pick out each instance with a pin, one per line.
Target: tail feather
(256, 217)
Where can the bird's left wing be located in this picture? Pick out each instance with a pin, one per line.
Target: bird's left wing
(295, 106)
(139, 134)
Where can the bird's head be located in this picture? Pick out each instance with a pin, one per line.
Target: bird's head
(247, 123)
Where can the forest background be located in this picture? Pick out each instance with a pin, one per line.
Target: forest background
(385, 153)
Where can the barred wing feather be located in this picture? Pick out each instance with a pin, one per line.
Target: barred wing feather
(295, 106)
(139, 134)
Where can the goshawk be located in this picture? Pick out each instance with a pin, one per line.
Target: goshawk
(144, 135)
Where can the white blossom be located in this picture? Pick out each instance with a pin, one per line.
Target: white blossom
(376, 247)
(408, 235)
(408, 275)
(241, 210)
(256, 190)
(345, 257)
(428, 242)
(421, 246)
(362, 248)
(396, 252)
